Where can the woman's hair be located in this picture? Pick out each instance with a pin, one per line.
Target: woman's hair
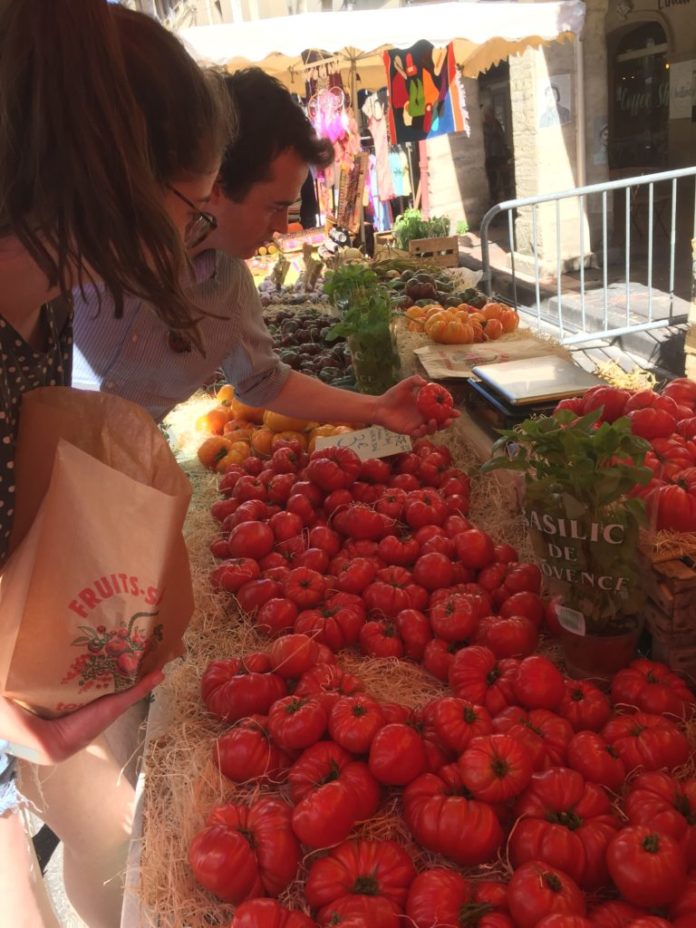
(99, 108)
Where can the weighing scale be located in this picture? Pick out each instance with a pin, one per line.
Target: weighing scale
(503, 394)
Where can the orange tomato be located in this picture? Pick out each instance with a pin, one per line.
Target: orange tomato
(280, 438)
(242, 411)
(510, 320)
(213, 450)
(279, 423)
(243, 434)
(494, 329)
(261, 439)
(225, 394)
(493, 310)
(478, 332)
(237, 452)
(214, 420)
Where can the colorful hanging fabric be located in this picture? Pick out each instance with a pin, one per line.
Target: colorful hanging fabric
(426, 94)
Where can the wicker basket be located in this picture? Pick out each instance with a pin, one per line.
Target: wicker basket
(670, 612)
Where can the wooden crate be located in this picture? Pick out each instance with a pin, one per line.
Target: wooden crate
(441, 251)
(670, 612)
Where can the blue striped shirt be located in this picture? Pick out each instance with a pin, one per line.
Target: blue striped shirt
(131, 357)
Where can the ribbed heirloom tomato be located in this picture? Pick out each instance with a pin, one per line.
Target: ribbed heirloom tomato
(246, 752)
(457, 721)
(397, 754)
(372, 868)
(545, 734)
(267, 913)
(443, 897)
(445, 822)
(233, 689)
(584, 705)
(566, 823)
(246, 851)
(354, 721)
(648, 868)
(435, 403)
(646, 740)
(296, 722)
(495, 768)
(537, 890)
(651, 687)
(667, 805)
(597, 761)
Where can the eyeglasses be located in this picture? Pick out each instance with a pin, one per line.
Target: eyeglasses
(200, 226)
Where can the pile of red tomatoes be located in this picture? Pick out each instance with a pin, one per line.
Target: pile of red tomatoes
(668, 421)
(576, 795)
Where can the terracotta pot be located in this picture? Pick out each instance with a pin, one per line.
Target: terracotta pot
(598, 656)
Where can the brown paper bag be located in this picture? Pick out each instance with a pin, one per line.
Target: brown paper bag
(97, 590)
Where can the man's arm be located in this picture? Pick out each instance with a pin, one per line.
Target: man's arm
(395, 410)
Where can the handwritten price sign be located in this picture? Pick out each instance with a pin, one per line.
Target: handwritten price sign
(374, 442)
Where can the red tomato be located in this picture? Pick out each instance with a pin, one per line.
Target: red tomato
(267, 913)
(234, 689)
(255, 593)
(334, 625)
(245, 752)
(276, 617)
(415, 630)
(652, 687)
(424, 507)
(615, 914)
(245, 851)
(382, 867)
(391, 502)
(495, 768)
(292, 655)
(675, 503)
(505, 554)
(611, 400)
(545, 734)
(455, 618)
(222, 508)
(295, 722)
(251, 539)
(356, 576)
(477, 676)
(358, 911)
(234, 573)
(652, 422)
(328, 681)
(325, 816)
(565, 921)
(538, 683)
(397, 755)
(584, 705)
(525, 603)
(438, 657)
(354, 722)
(333, 468)
(443, 821)
(305, 587)
(433, 571)
(648, 741)
(249, 487)
(457, 722)
(537, 890)
(648, 868)
(380, 638)
(666, 805)
(321, 536)
(572, 404)
(508, 637)
(443, 897)
(387, 598)
(682, 390)
(435, 403)
(474, 548)
(597, 761)
(566, 821)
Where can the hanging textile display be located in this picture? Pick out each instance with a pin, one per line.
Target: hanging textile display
(426, 94)
(375, 108)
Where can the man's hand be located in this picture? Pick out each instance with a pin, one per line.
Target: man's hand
(397, 410)
(49, 741)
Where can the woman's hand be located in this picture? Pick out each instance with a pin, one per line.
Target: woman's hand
(397, 410)
(49, 741)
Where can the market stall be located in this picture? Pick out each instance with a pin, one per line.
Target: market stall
(413, 737)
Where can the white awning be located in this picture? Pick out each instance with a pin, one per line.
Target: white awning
(484, 32)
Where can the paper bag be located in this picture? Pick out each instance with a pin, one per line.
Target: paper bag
(97, 590)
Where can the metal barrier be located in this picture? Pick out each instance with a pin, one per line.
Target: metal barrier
(599, 320)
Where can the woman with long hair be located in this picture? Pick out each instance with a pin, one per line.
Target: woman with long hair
(110, 141)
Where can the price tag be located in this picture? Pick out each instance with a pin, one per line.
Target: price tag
(373, 442)
(571, 620)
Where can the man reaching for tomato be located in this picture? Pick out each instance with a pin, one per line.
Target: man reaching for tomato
(138, 358)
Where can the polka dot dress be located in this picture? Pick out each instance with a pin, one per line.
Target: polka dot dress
(23, 369)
